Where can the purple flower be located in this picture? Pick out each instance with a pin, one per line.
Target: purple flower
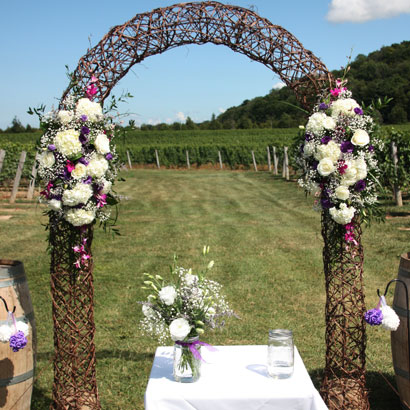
(371, 148)
(52, 147)
(373, 317)
(326, 203)
(88, 180)
(18, 341)
(307, 137)
(83, 139)
(360, 185)
(85, 130)
(325, 140)
(358, 111)
(83, 161)
(323, 106)
(346, 146)
(84, 118)
(109, 156)
(315, 164)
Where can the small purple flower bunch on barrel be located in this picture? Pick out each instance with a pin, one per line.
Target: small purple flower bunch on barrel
(382, 315)
(18, 341)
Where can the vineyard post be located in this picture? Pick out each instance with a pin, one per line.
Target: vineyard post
(2, 155)
(285, 172)
(275, 161)
(187, 159)
(129, 160)
(18, 177)
(220, 159)
(269, 165)
(32, 183)
(254, 161)
(396, 189)
(157, 158)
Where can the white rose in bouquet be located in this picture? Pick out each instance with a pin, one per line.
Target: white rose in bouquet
(97, 167)
(54, 204)
(360, 138)
(342, 193)
(47, 159)
(179, 329)
(167, 295)
(102, 144)
(80, 171)
(325, 167)
(343, 215)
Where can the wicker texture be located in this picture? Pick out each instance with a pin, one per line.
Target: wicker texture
(238, 28)
(75, 385)
(344, 384)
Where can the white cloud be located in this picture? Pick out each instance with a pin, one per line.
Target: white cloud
(181, 116)
(221, 110)
(278, 85)
(359, 11)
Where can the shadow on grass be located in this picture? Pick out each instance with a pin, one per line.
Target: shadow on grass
(381, 395)
(107, 354)
(40, 400)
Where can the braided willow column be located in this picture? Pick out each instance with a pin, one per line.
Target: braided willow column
(72, 289)
(344, 384)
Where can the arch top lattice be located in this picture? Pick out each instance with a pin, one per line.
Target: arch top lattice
(240, 29)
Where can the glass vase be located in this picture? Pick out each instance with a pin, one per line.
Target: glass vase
(187, 367)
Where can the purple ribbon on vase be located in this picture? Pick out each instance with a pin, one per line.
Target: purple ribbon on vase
(194, 350)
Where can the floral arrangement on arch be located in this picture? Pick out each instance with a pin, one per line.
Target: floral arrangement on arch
(77, 160)
(338, 158)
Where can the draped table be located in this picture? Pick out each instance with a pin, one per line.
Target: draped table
(233, 378)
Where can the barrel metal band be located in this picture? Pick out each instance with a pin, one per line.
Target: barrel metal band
(404, 272)
(6, 273)
(17, 379)
(12, 282)
(401, 372)
(25, 318)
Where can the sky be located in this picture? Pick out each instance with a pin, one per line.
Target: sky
(39, 38)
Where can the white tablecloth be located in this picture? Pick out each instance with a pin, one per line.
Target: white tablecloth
(234, 378)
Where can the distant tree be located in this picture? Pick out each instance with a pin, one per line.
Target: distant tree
(397, 115)
(16, 126)
(189, 124)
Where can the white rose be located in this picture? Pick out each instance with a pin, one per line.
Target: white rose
(344, 106)
(360, 138)
(102, 144)
(80, 194)
(47, 159)
(179, 329)
(79, 217)
(67, 142)
(80, 171)
(167, 295)
(54, 204)
(343, 215)
(65, 116)
(92, 110)
(342, 192)
(350, 175)
(97, 166)
(309, 149)
(325, 167)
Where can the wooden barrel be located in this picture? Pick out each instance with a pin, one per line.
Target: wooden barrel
(399, 338)
(16, 368)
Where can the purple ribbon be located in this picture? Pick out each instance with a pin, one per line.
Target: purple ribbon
(194, 350)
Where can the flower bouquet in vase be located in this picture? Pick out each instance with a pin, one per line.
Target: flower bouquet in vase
(182, 310)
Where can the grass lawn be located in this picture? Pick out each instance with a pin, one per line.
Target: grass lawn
(266, 242)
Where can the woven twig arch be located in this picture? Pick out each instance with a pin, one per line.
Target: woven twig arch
(240, 29)
(244, 32)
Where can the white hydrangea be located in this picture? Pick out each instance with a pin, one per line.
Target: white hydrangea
(350, 176)
(390, 319)
(102, 144)
(92, 110)
(361, 168)
(54, 204)
(148, 311)
(309, 149)
(65, 116)
(320, 121)
(80, 194)
(80, 171)
(79, 217)
(47, 159)
(344, 106)
(343, 215)
(97, 166)
(107, 185)
(67, 142)
(330, 150)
